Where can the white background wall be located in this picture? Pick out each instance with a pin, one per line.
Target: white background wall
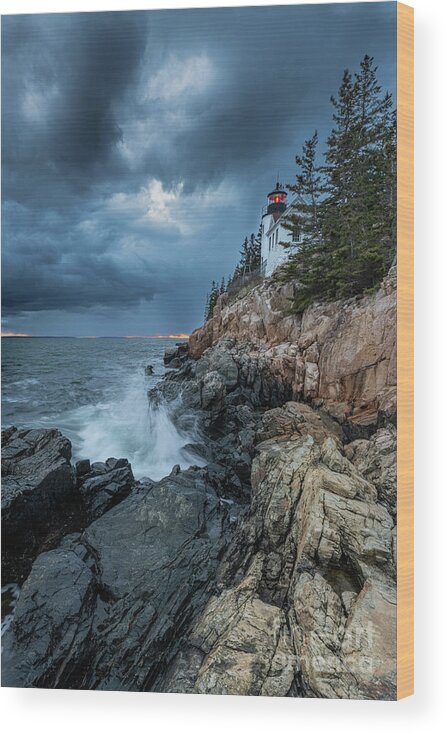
(79, 712)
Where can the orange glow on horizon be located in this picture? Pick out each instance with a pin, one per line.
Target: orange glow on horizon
(13, 333)
(159, 336)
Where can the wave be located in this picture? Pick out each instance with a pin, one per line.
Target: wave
(135, 428)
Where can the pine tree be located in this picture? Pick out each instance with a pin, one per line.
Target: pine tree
(211, 300)
(207, 307)
(255, 251)
(308, 261)
(359, 209)
(346, 209)
(305, 215)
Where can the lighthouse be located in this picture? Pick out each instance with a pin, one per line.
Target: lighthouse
(276, 202)
(273, 232)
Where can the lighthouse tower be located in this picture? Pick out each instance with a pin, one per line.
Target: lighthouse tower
(273, 231)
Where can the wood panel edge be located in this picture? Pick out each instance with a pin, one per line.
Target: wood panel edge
(405, 351)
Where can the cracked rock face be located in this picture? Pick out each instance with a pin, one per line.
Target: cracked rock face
(104, 485)
(38, 486)
(109, 607)
(342, 352)
(308, 598)
(271, 571)
(52, 622)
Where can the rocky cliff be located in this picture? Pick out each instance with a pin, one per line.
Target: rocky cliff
(341, 353)
(268, 571)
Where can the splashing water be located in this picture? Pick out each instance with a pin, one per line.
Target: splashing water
(10, 597)
(140, 431)
(95, 392)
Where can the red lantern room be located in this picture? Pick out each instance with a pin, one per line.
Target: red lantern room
(277, 201)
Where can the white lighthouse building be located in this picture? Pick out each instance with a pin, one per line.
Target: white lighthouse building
(273, 231)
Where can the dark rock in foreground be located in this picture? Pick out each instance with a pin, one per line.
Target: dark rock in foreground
(109, 608)
(52, 622)
(38, 495)
(104, 486)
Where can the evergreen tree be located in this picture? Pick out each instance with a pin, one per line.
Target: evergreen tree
(346, 209)
(309, 259)
(255, 250)
(207, 308)
(211, 300)
(359, 209)
(244, 263)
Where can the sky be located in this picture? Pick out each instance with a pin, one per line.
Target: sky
(138, 149)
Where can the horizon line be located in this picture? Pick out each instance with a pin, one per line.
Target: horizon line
(103, 336)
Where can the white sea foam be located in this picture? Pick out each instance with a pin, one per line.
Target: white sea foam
(134, 428)
(11, 593)
(95, 393)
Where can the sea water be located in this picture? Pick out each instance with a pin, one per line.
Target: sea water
(95, 392)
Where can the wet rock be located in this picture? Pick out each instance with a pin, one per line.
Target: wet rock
(212, 391)
(175, 363)
(105, 486)
(221, 361)
(83, 467)
(38, 495)
(175, 356)
(51, 631)
(99, 467)
(157, 553)
(126, 591)
(149, 370)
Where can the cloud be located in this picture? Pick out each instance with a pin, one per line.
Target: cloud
(62, 76)
(37, 103)
(168, 208)
(138, 148)
(181, 78)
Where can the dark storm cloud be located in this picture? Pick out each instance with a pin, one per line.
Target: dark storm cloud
(138, 146)
(50, 263)
(61, 76)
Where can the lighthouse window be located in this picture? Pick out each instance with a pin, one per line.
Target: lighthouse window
(296, 234)
(277, 233)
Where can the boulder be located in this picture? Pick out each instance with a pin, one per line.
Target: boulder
(39, 500)
(51, 631)
(174, 357)
(100, 490)
(307, 594)
(83, 467)
(110, 607)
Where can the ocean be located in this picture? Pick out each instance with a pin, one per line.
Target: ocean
(95, 392)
